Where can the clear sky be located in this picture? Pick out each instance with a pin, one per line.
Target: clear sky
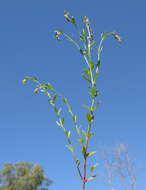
(27, 125)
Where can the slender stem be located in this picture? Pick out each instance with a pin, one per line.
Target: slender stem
(71, 40)
(88, 60)
(84, 179)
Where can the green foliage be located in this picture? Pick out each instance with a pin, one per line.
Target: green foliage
(77, 163)
(92, 167)
(23, 175)
(85, 44)
(91, 153)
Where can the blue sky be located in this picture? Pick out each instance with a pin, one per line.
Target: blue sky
(27, 47)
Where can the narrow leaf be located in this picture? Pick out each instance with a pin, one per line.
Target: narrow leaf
(70, 147)
(91, 64)
(74, 118)
(55, 109)
(83, 52)
(92, 43)
(86, 71)
(64, 100)
(78, 129)
(48, 85)
(104, 35)
(83, 150)
(93, 92)
(62, 121)
(90, 178)
(77, 163)
(34, 79)
(98, 63)
(90, 135)
(47, 93)
(82, 38)
(36, 90)
(91, 153)
(67, 133)
(58, 123)
(84, 32)
(59, 111)
(89, 117)
(81, 140)
(92, 167)
(87, 107)
(86, 78)
(73, 21)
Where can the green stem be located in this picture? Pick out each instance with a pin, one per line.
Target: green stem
(84, 179)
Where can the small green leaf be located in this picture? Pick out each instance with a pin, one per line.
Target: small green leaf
(89, 117)
(91, 64)
(71, 148)
(90, 135)
(96, 74)
(54, 97)
(91, 153)
(48, 85)
(92, 167)
(99, 49)
(90, 178)
(93, 92)
(51, 102)
(87, 107)
(73, 21)
(70, 109)
(59, 111)
(83, 52)
(34, 79)
(62, 121)
(92, 43)
(81, 140)
(74, 118)
(47, 93)
(67, 133)
(55, 109)
(82, 38)
(93, 108)
(77, 163)
(36, 90)
(98, 63)
(78, 129)
(104, 35)
(84, 32)
(87, 71)
(84, 150)
(64, 100)
(86, 78)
